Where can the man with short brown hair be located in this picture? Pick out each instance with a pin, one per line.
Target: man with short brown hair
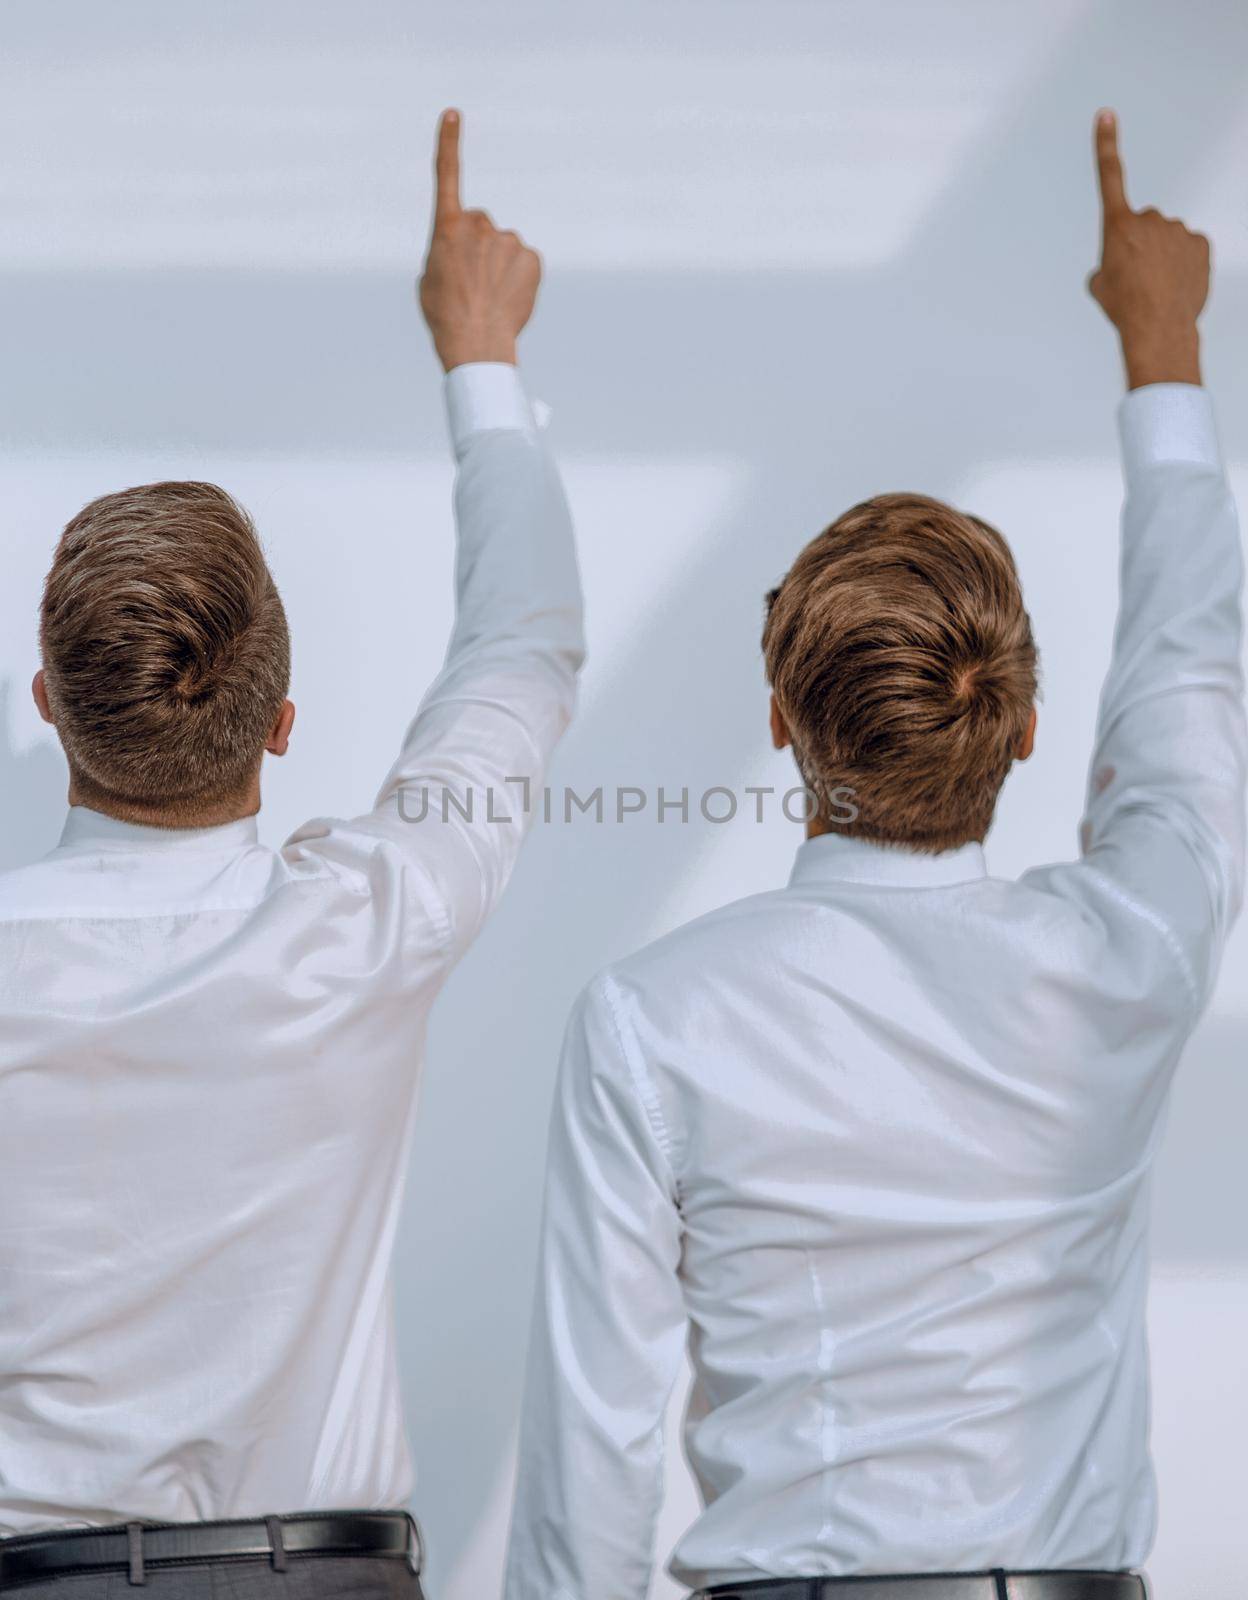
(166, 656)
(209, 1050)
(877, 1145)
(903, 671)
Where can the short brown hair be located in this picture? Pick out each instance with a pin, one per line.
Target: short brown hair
(902, 660)
(165, 648)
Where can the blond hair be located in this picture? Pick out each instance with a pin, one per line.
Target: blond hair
(902, 660)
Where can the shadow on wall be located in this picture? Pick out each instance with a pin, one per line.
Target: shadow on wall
(32, 791)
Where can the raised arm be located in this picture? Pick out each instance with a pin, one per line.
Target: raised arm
(1164, 826)
(451, 813)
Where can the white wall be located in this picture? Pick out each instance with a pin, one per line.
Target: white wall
(798, 251)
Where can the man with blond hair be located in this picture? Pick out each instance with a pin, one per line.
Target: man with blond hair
(878, 1144)
(209, 1050)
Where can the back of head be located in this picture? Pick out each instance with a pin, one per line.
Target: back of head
(165, 649)
(902, 660)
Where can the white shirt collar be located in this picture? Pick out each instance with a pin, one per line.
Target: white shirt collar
(84, 826)
(839, 858)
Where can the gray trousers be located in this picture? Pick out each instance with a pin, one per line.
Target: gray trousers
(305, 1578)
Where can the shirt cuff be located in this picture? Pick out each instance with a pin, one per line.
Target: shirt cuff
(1168, 422)
(483, 395)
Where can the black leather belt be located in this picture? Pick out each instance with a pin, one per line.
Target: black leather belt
(996, 1585)
(134, 1546)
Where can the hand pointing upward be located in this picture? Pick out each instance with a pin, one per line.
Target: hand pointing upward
(1153, 279)
(479, 283)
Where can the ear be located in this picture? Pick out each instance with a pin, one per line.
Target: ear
(39, 689)
(1028, 741)
(278, 741)
(779, 727)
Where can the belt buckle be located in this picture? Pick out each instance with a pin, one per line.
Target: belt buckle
(415, 1545)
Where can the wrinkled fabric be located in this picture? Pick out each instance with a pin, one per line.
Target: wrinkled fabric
(880, 1141)
(209, 1055)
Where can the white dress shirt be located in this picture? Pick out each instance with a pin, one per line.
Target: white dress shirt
(209, 1055)
(880, 1141)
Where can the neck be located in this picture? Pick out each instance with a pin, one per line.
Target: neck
(211, 811)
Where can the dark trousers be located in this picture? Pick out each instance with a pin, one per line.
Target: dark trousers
(304, 1578)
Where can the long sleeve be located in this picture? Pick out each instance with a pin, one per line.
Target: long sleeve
(1163, 831)
(457, 802)
(608, 1329)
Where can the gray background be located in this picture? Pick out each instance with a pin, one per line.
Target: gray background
(797, 252)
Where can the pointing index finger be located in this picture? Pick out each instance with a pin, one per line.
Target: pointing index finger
(446, 168)
(1109, 165)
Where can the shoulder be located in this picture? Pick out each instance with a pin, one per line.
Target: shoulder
(371, 858)
(639, 1008)
(711, 945)
(1117, 929)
